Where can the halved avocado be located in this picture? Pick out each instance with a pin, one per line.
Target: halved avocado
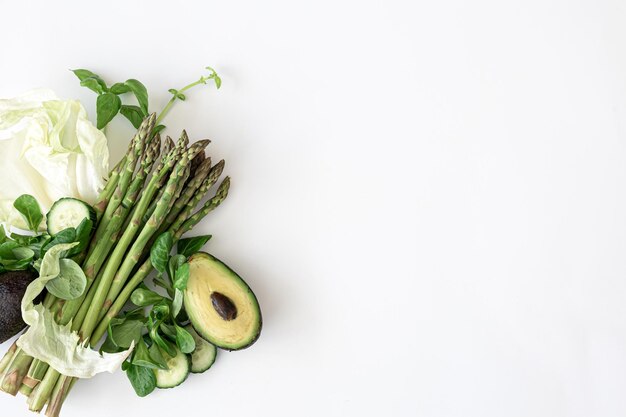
(220, 305)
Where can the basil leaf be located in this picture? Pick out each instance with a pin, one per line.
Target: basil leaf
(95, 84)
(29, 208)
(182, 276)
(141, 93)
(160, 251)
(144, 297)
(191, 245)
(23, 239)
(157, 129)
(119, 88)
(177, 304)
(185, 340)
(70, 283)
(142, 379)
(83, 74)
(133, 114)
(127, 332)
(107, 106)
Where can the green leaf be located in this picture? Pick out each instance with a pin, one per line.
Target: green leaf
(14, 257)
(83, 74)
(6, 250)
(175, 262)
(127, 332)
(142, 356)
(166, 346)
(38, 245)
(177, 304)
(157, 357)
(23, 239)
(120, 88)
(141, 93)
(109, 347)
(95, 84)
(70, 283)
(3, 235)
(160, 251)
(191, 245)
(157, 129)
(182, 276)
(168, 330)
(133, 114)
(82, 236)
(144, 297)
(185, 340)
(142, 379)
(64, 236)
(29, 208)
(107, 106)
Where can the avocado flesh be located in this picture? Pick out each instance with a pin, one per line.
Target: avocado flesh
(207, 275)
(12, 288)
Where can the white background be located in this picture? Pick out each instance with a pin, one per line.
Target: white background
(429, 198)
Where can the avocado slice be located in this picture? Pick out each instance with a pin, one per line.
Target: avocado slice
(12, 288)
(220, 305)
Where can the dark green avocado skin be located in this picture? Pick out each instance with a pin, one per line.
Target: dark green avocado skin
(12, 288)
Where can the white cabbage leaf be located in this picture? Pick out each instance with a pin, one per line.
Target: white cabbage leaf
(48, 149)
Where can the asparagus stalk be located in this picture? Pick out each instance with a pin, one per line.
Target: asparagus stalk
(173, 187)
(146, 267)
(137, 146)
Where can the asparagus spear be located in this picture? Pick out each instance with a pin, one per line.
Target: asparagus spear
(146, 267)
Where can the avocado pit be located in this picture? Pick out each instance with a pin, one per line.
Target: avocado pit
(224, 306)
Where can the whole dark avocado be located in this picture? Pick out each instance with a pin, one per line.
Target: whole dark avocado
(12, 288)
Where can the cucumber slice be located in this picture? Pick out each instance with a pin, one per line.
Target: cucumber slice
(68, 212)
(176, 374)
(204, 356)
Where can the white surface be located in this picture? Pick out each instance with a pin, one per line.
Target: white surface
(428, 197)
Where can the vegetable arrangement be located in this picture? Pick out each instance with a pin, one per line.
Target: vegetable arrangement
(93, 260)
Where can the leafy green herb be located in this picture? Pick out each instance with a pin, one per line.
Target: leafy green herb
(120, 88)
(185, 340)
(141, 378)
(157, 357)
(189, 246)
(174, 263)
(142, 356)
(144, 297)
(64, 236)
(82, 236)
(107, 106)
(182, 276)
(140, 93)
(133, 114)
(160, 251)
(125, 333)
(70, 283)
(29, 208)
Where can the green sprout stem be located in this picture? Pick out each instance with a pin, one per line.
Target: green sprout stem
(178, 94)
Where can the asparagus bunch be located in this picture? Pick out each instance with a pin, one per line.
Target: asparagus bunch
(156, 187)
